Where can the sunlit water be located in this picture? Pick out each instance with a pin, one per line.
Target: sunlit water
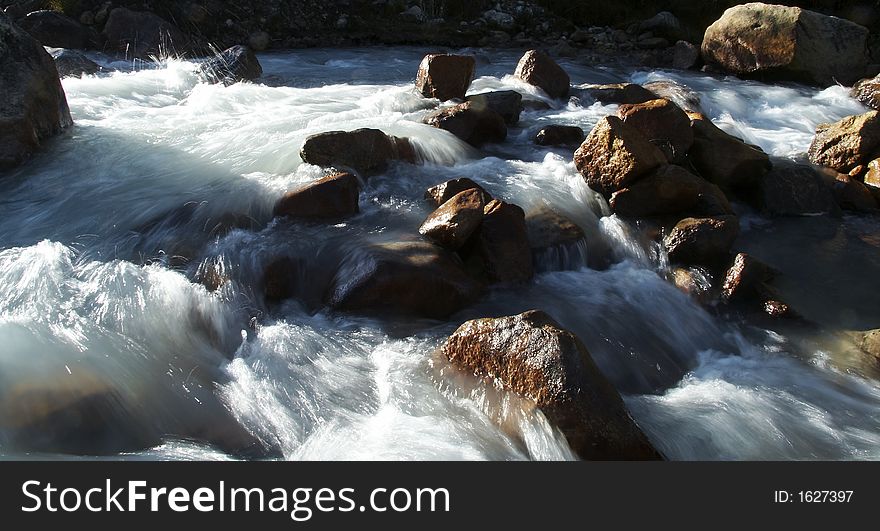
(103, 237)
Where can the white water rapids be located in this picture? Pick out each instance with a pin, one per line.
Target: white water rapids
(101, 237)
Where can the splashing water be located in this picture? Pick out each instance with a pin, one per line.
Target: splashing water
(165, 178)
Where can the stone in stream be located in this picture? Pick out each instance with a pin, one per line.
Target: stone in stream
(847, 143)
(499, 250)
(617, 93)
(791, 189)
(141, 34)
(532, 355)
(445, 76)
(72, 63)
(33, 107)
(538, 69)
(788, 43)
(443, 192)
(560, 135)
(280, 278)
(745, 278)
(453, 223)
(507, 103)
(470, 122)
(366, 151)
(685, 55)
(867, 91)
(725, 160)
(663, 123)
(403, 278)
(55, 30)
(614, 155)
(849, 193)
(869, 342)
(685, 97)
(238, 63)
(331, 197)
(670, 190)
(702, 241)
(872, 179)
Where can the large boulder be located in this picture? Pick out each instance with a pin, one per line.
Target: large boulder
(499, 250)
(532, 355)
(614, 155)
(471, 122)
(788, 43)
(724, 159)
(72, 63)
(33, 107)
(238, 63)
(670, 190)
(403, 278)
(663, 123)
(445, 76)
(55, 30)
(453, 223)
(847, 143)
(560, 135)
(142, 34)
(443, 192)
(332, 197)
(507, 103)
(792, 189)
(366, 151)
(538, 69)
(617, 93)
(702, 241)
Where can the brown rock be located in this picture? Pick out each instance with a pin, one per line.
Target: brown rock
(403, 278)
(332, 197)
(867, 91)
(615, 155)
(366, 151)
(847, 143)
(779, 310)
(872, 179)
(471, 123)
(443, 192)
(745, 278)
(670, 190)
(791, 189)
(618, 93)
(455, 220)
(685, 97)
(870, 342)
(724, 159)
(663, 123)
(538, 69)
(445, 76)
(507, 103)
(546, 229)
(531, 355)
(692, 282)
(850, 194)
(702, 241)
(499, 250)
(560, 135)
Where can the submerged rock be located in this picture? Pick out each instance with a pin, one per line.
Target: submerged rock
(445, 76)
(702, 241)
(685, 97)
(663, 123)
(443, 192)
(618, 93)
(787, 42)
(614, 155)
(72, 63)
(507, 103)
(33, 107)
(366, 151)
(238, 63)
(532, 355)
(724, 159)
(453, 223)
(470, 122)
(332, 197)
(538, 69)
(56, 30)
(560, 135)
(142, 34)
(403, 278)
(499, 250)
(847, 143)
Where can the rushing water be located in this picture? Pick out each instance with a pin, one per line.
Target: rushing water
(103, 238)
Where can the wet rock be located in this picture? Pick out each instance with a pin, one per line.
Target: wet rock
(72, 63)
(547, 229)
(366, 151)
(867, 91)
(507, 103)
(560, 135)
(614, 155)
(670, 190)
(685, 55)
(499, 251)
(663, 123)
(143, 34)
(404, 278)
(443, 192)
(872, 179)
(685, 97)
(445, 76)
(33, 107)
(238, 63)
(787, 42)
(332, 197)
(791, 189)
(532, 355)
(280, 279)
(453, 223)
(779, 310)
(847, 143)
(701, 241)
(694, 282)
(538, 69)
(618, 93)
(745, 278)
(55, 30)
(849, 193)
(213, 273)
(470, 122)
(724, 159)
(869, 342)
